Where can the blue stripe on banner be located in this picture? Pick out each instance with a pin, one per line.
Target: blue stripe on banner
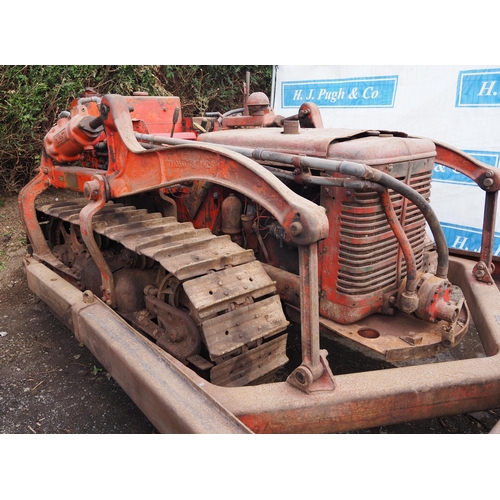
(450, 176)
(467, 238)
(368, 92)
(479, 88)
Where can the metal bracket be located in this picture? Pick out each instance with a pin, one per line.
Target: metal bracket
(95, 190)
(482, 273)
(314, 373)
(303, 378)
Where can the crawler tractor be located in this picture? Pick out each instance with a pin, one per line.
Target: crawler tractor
(193, 248)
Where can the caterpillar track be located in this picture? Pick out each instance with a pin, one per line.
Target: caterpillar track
(203, 298)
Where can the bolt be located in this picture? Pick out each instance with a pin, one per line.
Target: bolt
(488, 182)
(91, 188)
(296, 228)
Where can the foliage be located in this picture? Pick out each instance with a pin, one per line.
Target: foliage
(95, 371)
(31, 97)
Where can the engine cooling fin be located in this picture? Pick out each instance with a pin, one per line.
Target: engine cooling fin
(232, 299)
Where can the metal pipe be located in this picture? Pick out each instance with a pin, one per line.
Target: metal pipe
(85, 100)
(351, 168)
(309, 306)
(488, 234)
(409, 299)
(366, 172)
(430, 216)
(96, 122)
(216, 114)
(404, 243)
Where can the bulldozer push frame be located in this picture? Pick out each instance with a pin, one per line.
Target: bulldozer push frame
(259, 220)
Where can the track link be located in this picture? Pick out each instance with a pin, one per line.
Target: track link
(232, 300)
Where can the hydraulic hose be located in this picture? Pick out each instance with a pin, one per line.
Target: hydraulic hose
(350, 168)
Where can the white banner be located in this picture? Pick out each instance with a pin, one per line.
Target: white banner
(458, 105)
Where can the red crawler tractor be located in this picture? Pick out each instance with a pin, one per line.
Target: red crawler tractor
(198, 241)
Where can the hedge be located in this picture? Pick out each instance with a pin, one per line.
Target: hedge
(33, 96)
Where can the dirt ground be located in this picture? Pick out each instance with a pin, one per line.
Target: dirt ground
(51, 384)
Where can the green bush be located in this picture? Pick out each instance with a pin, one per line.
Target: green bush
(33, 96)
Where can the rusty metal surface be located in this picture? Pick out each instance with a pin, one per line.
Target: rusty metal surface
(213, 293)
(154, 381)
(312, 142)
(97, 201)
(485, 267)
(361, 258)
(251, 365)
(388, 396)
(361, 145)
(244, 325)
(486, 177)
(202, 282)
(358, 400)
(401, 336)
(222, 282)
(313, 374)
(395, 337)
(203, 162)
